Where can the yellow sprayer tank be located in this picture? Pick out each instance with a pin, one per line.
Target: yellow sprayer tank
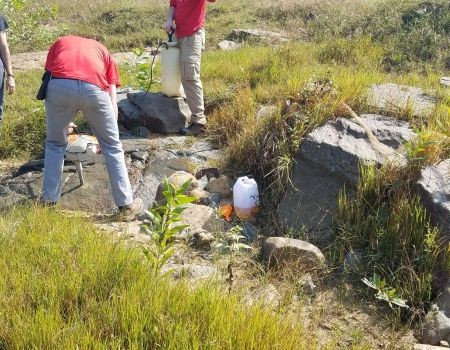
(171, 70)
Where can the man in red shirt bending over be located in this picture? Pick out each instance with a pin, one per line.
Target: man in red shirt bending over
(84, 78)
(189, 17)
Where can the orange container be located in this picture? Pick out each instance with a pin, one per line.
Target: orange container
(225, 211)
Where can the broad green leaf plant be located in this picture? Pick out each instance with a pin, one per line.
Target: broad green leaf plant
(165, 224)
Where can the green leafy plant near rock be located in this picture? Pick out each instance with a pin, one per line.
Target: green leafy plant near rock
(165, 224)
(388, 229)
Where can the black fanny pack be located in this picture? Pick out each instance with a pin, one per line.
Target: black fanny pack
(43, 88)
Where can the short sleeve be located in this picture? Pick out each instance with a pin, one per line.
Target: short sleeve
(3, 24)
(173, 3)
(112, 74)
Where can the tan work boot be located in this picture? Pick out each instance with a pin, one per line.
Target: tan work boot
(130, 211)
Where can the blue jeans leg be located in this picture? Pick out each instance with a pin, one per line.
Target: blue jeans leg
(97, 108)
(61, 106)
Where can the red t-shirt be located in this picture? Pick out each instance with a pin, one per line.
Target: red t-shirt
(74, 57)
(189, 16)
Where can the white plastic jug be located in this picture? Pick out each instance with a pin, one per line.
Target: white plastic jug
(245, 197)
(171, 70)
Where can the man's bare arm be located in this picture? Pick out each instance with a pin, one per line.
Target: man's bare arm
(6, 58)
(112, 91)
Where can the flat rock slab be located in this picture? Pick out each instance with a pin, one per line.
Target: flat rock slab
(434, 190)
(163, 157)
(328, 161)
(394, 99)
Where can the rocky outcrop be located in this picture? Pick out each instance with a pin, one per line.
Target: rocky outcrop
(282, 251)
(159, 113)
(257, 36)
(148, 160)
(228, 45)
(328, 161)
(394, 99)
(437, 322)
(434, 189)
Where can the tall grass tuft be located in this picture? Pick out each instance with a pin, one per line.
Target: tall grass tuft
(385, 225)
(64, 285)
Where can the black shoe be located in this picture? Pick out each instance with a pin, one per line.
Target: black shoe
(193, 129)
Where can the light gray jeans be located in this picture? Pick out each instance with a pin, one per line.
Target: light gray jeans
(65, 98)
(191, 48)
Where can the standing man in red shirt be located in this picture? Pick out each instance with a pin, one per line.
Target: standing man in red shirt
(84, 78)
(189, 17)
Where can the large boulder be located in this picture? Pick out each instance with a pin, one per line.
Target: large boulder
(257, 36)
(394, 99)
(159, 113)
(328, 161)
(282, 251)
(434, 189)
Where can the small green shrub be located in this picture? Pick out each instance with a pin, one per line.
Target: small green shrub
(165, 224)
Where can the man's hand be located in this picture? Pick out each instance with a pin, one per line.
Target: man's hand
(10, 84)
(71, 128)
(168, 27)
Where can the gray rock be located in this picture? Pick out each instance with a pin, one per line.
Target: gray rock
(327, 162)
(282, 251)
(222, 186)
(429, 347)
(249, 231)
(158, 113)
(180, 177)
(141, 131)
(195, 272)
(393, 98)
(214, 200)
(202, 239)
(137, 164)
(140, 155)
(436, 327)
(445, 81)
(199, 217)
(257, 36)
(307, 285)
(228, 45)
(267, 296)
(434, 189)
(201, 195)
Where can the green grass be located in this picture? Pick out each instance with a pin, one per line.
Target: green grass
(387, 226)
(64, 285)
